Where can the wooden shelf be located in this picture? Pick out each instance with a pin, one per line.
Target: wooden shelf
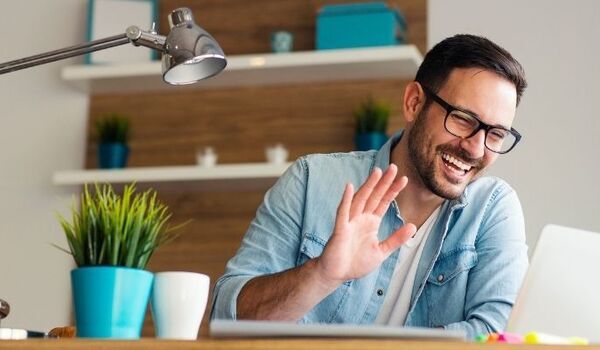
(234, 176)
(389, 62)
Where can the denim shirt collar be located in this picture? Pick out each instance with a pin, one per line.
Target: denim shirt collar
(382, 159)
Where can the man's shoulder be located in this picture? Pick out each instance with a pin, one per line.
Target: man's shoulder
(491, 194)
(491, 207)
(488, 185)
(344, 164)
(340, 157)
(322, 170)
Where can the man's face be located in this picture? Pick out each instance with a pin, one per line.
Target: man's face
(445, 163)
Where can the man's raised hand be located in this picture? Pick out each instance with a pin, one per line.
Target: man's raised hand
(354, 249)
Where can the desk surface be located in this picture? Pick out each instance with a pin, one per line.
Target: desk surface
(269, 344)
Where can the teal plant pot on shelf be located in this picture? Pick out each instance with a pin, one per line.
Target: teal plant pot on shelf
(370, 140)
(110, 302)
(112, 155)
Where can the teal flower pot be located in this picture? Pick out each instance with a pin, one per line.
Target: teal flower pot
(112, 155)
(370, 140)
(110, 302)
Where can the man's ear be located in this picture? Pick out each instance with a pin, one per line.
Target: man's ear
(414, 100)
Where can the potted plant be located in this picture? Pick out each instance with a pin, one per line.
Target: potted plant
(113, 134)
(372, 119)
(112, 237)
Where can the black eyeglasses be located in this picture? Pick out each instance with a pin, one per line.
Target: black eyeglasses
(464, 125)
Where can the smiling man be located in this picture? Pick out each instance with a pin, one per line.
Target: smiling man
(428, 242)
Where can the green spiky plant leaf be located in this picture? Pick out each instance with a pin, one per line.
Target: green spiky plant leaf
(116, 230)
(372, 116)
(113, 128)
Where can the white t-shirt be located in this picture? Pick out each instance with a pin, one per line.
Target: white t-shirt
(397, 300)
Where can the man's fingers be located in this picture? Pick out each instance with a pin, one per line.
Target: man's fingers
(381, 188)
(398, 238)
(363, 193)
(392, 192)
(343, 212)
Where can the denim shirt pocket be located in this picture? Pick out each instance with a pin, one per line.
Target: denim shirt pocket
(452, 264)
(332, 307)
(447, 286)
(312, 246)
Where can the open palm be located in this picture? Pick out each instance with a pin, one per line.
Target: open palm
(354, 249)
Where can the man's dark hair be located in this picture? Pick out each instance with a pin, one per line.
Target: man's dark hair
(469, 51)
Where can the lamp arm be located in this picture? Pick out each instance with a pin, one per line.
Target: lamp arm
(133, 34)
(144, 38)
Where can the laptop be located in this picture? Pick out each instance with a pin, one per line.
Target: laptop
(560, 294)
(270, 329)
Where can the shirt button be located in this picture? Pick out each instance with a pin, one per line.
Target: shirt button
(440, 278)
(380, 292)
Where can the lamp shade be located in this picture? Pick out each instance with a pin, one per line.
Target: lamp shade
(190, 53)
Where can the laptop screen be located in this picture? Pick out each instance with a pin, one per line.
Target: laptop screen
(560, 294)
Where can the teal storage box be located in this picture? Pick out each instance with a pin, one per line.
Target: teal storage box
(359, 25)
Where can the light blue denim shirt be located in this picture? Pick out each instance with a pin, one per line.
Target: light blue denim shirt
(468, 276)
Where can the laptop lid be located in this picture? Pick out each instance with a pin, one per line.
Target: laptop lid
(270, 329)
(560, 294)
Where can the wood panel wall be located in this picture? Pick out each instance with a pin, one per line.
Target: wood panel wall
(168, 127)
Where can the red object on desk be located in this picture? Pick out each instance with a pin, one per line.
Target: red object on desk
(510, 338)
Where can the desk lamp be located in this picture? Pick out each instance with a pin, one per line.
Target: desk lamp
(189, 53)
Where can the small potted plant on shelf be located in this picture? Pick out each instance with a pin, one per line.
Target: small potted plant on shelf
(372, 119)
(112, 237)
(113, 135)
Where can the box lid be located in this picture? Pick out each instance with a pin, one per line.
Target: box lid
(361, 7)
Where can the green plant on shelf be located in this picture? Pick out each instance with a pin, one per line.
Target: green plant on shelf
(372, 116)
(113, 128)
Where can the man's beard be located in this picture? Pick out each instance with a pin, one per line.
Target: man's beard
(419, 147)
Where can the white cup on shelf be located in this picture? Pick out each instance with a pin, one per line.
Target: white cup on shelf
(206, 157)
(178, 303)
(276, 154)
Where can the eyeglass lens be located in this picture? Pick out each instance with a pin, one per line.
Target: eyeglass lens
(464, 125)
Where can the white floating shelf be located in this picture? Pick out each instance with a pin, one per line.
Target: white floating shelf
(221, 176)
(386, 62)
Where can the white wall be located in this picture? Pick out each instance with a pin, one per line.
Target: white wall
(42, 129)
(556, 168)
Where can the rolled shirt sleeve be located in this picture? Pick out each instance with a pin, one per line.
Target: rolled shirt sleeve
(271, 243)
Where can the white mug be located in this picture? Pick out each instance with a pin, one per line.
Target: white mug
(206, 157)
(276, 154)
(178, 302)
